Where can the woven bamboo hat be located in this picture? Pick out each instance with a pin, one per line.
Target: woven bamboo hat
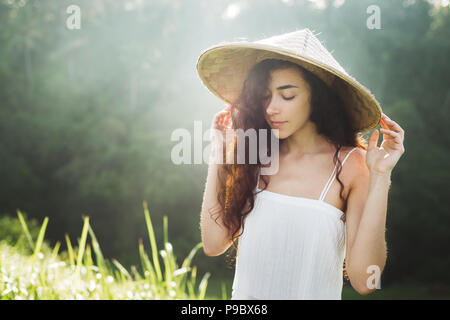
(224, 67)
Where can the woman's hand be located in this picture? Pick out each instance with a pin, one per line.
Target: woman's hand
(218, 133)
(220, 124)
(383, 159)
(221, 119)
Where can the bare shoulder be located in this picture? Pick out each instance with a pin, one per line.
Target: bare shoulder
(357, 157)
(355, 165)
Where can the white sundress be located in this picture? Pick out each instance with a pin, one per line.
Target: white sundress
(292, 248)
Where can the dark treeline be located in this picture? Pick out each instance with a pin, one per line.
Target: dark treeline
(86, 115)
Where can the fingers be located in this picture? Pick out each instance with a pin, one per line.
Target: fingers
(397, 136)
(225, 111)
(392, 125)
(226, 120)
(222, 118)
(373, 140)
(383, 124)
(228, 114)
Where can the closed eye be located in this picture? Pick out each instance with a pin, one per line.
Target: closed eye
(290, 98)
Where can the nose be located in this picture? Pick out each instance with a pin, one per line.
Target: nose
(272, 108)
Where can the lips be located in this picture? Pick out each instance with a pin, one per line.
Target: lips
(278, 123)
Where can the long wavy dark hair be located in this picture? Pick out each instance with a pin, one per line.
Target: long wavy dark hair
(237, 182)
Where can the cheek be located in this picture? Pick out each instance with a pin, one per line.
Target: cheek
(299, 113)
(297, 118)
(304, 108)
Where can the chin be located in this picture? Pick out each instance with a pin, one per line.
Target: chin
(281, 134)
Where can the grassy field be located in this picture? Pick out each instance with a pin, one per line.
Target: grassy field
(31, 269)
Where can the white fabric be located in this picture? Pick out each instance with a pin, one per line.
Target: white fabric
(291, 248)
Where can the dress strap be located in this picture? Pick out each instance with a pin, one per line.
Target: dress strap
(257, 181)
(328, 184)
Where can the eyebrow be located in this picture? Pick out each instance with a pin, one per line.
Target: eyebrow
(286, 87)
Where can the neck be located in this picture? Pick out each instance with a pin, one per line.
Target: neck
(304, 141)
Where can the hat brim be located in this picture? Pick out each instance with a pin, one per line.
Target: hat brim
(223, 69)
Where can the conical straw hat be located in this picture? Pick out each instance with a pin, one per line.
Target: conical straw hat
(224, 67)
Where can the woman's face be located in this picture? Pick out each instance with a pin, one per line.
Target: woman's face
(287, 101)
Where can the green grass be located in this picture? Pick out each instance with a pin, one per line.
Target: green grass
(31, 269)
(81, 272)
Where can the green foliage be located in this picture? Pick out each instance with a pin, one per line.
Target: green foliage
(12, 233)
(47, 275)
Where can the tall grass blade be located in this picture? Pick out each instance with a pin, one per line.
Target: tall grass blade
(98, 253)
(55, 250)
(191, 283)
(224, 291)
(40, 238)
(82, 243)
(70, 250)
(122, 270)
(25, 229)
(171, 258)
(146, 265)
(165, 230)
(202, 286)
(166, 266)
(152, 242)
(88, 256)
(136, 274)
(191, 290)
(187, 262)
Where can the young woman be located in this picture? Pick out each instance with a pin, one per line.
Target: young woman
(296, 227)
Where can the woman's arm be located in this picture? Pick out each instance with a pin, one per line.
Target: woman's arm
(367, 257)
(215, 237)
(367, 207)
